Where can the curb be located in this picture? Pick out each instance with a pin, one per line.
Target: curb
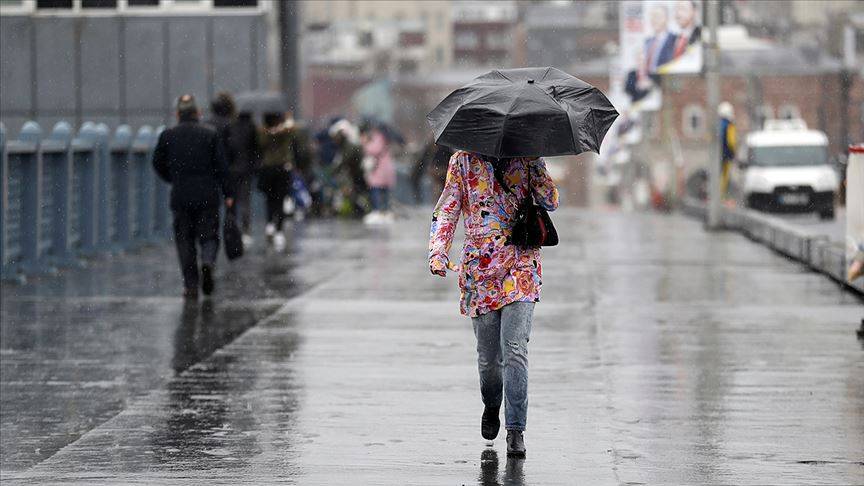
(817, 252)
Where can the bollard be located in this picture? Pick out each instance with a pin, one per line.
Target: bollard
(85, 186)
(141, 184)
(103, 175)
(21, 198)
(3, 203)
(162, 194)
(119, 207)
(55, 195)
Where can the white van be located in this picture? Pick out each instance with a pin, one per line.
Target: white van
(786, 169)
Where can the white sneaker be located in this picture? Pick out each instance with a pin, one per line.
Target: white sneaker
(270, 229)
(387, 218)
(247, 240)
(372, 218)
(279, 241)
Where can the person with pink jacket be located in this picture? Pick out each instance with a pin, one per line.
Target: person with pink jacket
(380, 175)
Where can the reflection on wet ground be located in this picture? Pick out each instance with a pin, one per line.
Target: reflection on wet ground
(660, 355)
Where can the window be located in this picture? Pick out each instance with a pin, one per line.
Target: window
(186, 3)
(142, 3)
(764, 112)
(98, 3)
(46, 4)
(497, 40)
(235, 3)
(788, 112)
(693, 121)
(466, 40)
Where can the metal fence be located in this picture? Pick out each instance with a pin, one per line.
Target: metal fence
(68, 195)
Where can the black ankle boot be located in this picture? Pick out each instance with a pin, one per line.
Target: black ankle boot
(490, 424)
(207, 279)
(515, 443)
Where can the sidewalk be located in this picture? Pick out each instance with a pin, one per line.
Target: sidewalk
(661, 354)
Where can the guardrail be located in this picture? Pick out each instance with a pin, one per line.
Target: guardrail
(816, 251)
(69, 195)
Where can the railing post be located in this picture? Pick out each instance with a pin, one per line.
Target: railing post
(162, 215)
(55, 202)
(103, 177)
(25, 188)
(142, 185)
(4, 201)
(85, 189)
(119, 198)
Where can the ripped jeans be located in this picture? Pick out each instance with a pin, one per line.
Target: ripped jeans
(502, 358)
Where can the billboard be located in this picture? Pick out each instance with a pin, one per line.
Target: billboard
(658, 37)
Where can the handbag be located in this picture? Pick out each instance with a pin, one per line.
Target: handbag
(232, 235)
(531, 226)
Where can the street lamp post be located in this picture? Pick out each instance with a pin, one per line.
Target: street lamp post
(712, 80)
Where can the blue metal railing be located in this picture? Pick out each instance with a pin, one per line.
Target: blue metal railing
(68, 195)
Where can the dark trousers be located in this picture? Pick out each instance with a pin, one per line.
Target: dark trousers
(243, 200)
(275, 209)
(194, 226)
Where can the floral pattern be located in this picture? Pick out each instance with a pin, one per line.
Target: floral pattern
(493, 273)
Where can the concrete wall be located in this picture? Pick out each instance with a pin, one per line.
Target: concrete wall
(124, 69)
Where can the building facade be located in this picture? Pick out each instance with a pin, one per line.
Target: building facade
(126, 61)
(423, 26)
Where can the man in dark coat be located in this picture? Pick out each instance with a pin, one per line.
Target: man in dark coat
(191, 157)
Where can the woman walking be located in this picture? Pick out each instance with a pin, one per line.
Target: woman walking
(274, 179)
(380, 175)
(499, 282)
(513, 117)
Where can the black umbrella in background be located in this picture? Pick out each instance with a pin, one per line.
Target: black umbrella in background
(528, 112)
(260, 102)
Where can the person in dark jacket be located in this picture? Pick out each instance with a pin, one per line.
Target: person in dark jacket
(245, 158)
(348, 169)
(274, 178)
(190, 157)
(222, 111)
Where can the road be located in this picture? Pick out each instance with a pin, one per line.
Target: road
(834, 229)
(660, 354)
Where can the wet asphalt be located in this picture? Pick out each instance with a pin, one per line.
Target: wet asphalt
(660, 354)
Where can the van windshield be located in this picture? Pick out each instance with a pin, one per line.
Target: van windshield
(789, 155)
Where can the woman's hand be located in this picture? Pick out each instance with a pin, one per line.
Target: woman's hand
(437, 267)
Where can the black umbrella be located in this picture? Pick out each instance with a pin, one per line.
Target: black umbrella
(529, 112)
(261, 102)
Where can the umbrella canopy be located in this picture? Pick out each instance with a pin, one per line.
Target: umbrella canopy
(528, 112)
(261, 102)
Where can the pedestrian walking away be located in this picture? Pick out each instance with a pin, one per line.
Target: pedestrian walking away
(245, 157)
(190, 157)
(499, 282)
(380, 175)
(274, 178)
(498, 183)
(729, 144)
(348, 169)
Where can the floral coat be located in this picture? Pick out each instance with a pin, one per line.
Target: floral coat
(493, 273)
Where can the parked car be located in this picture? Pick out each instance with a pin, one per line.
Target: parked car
(786, 168)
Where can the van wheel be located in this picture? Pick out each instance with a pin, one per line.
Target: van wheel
(827, 214)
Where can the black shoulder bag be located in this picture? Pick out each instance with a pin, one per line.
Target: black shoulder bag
(532, 227)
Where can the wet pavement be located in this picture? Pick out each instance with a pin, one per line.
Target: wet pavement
(660, 355)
